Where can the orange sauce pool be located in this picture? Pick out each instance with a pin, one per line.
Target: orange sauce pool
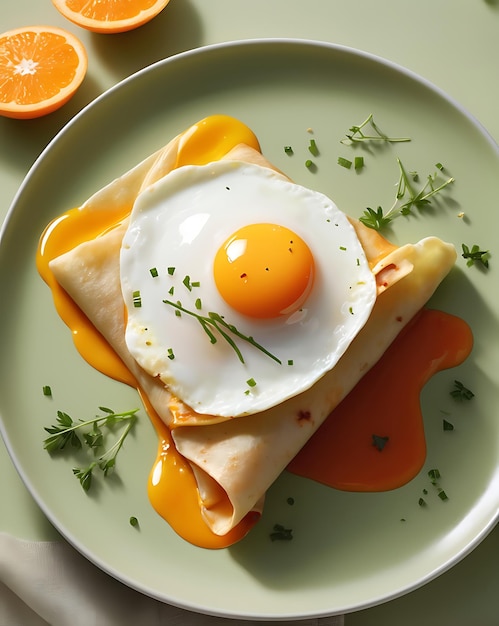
(385, 404)
(341, 454)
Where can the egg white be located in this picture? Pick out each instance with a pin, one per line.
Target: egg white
(180, 222)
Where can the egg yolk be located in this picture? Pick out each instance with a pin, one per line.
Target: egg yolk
(264, 271)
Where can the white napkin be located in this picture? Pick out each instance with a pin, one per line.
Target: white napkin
(50, 583)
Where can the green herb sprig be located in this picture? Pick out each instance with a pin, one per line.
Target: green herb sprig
(356, 133)
(407, 197)
(216, 321)
(64, 433)
(460, 392)
(475, 255)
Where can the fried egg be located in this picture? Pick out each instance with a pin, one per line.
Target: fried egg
(242, 288)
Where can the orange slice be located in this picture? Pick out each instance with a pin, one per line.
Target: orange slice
(41, 67)
(110, 16)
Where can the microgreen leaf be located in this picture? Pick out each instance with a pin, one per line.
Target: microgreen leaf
(217, 322)
(407, 197)
(356, 133)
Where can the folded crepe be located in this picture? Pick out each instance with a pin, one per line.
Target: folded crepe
(235, 460)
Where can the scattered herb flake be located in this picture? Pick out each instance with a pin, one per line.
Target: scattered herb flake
(134, 521)
(251, 382)
(288, 150)
(442, 495)
(447, 425)
(47, 391)
(154, 272)
(422, 502)
(434, 476)
(171, 354)
(309, 163)
(380, 442)
(290, 501)
(460, 392)
(171, 271)
(280, 533)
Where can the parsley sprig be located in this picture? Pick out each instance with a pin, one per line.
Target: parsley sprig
(65, 433)
(216, 321)
(475, 255)
(407, 198)
(356, 133)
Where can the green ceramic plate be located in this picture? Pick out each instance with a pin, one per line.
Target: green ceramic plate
(350, 550)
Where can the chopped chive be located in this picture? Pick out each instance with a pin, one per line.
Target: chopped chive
(358, 162)
(47, 391)
(198, 304)
(422, 502)
(171, 355)
(313, 147)
(288, 150)
(154, 272)
(433, 475)
(342, 248)
(251, 382)
(439, 166)
(187, 282)
(447, 425)
(344, 162)
(171, 290)
(442, 495)
(171, 271)
(309, 163)
(350, 310)
(196, 283)
(134, 521)
(137, 300)
(290, 362)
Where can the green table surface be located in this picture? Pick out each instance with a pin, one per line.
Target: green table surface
(452, 43)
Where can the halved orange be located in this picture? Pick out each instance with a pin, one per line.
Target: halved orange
(41, 67)
(110, 16)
